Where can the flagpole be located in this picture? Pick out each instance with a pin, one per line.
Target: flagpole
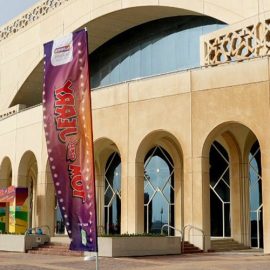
(97, 263)
(93, 163)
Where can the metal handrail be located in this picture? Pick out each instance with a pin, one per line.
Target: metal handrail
(195, 228)
(169, 226)
(36, 228)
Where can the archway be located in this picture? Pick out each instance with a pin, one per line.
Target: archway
(158, 183)
(5, 173)
(27, 177)
(234, 166)
(108, 184)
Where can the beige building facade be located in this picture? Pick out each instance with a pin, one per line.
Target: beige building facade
(186, 146)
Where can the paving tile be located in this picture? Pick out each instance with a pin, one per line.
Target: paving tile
(207, 261)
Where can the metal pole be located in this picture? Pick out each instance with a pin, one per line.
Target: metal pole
(97, 265)
(223, 219)
(258, 230)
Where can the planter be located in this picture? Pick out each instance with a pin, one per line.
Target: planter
(9, 242)
(138, 246)
(21, 243)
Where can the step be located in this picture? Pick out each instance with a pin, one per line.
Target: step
(40, 252)
(226, 245)
(190, 248)
(55, 249)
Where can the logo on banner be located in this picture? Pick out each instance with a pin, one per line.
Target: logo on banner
(66, 119)
(62, 51)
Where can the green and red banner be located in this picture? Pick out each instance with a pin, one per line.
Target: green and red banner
(69, 136)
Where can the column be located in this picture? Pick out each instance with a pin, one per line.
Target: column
(265, 156)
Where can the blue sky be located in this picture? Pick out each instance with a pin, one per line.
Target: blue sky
(11, 8)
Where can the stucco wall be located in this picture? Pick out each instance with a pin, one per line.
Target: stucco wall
(23, 51)
(183, 111)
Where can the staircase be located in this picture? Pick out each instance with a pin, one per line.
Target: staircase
(55, 249)
(227, 244)
(190, 248)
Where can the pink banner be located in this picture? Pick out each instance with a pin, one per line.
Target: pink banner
(7, 194)
(68, 130)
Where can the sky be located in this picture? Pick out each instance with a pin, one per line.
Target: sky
(12, 8)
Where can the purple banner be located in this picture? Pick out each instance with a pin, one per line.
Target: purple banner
(69, 136)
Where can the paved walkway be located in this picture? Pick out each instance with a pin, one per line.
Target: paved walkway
(208, 261)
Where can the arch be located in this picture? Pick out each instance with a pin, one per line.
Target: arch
(247, 132)
(102, 29)
(111, 64)
(250, 140)
(27, 177)
(27, 168)
(104, 148)
(5, 172)
(171, 145)
(165, 139)
(236, 138)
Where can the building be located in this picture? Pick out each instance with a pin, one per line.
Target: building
(180, 96)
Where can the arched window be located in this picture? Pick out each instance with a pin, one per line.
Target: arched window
(112, 194)
(158, 190)
(220, 197)
(255, 196)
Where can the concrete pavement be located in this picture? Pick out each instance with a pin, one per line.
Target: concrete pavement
(208, 261)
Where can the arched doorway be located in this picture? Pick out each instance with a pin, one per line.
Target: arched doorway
(158, 190)
(255, 196)
(112, 194)
(108, 173)
(159, 179)
(233, 175)
(27, 177)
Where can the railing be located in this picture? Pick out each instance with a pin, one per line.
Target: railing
(245, 40)
(171, 227)
(36, 236)
(190, 227)
(39, 230)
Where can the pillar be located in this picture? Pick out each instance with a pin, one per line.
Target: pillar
(265, 156)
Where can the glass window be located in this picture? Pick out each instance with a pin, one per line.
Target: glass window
(255, 196)
(158, 190)
(156, 47)
(112, 194)
(220, 191)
